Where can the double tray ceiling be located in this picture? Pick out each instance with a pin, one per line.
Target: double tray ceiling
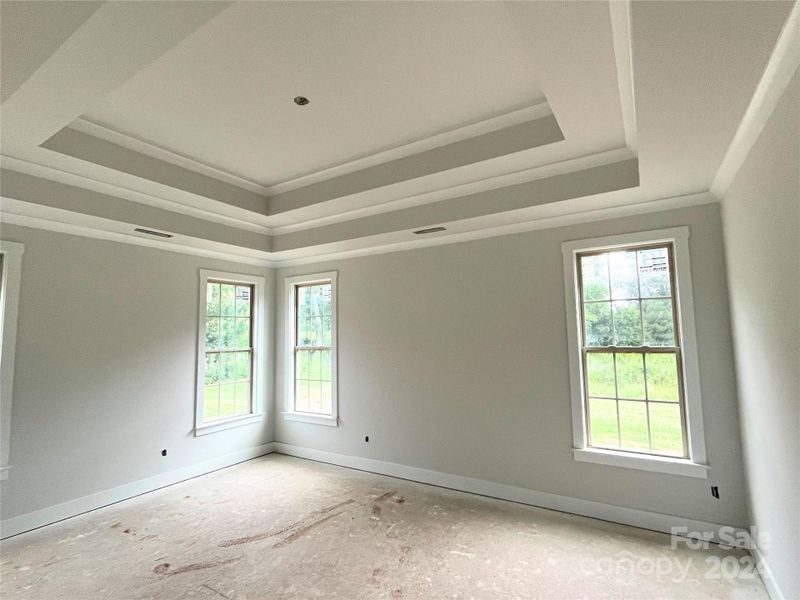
(477, 117)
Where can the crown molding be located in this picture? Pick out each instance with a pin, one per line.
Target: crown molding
(130, 142)
(26, 214)
(73, 179)
(781, 67)
(516, 117)
(465, 189)
(534, 223)
(620, 11)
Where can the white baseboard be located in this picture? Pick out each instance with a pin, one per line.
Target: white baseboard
(773, 589)
(71, 508)
(587, 508)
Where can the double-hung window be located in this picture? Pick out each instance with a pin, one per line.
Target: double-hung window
(310, 355)
(231, 383)
(628, 297)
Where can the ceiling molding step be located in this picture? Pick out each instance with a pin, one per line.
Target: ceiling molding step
(531, 224)
(502, 142)
(623, 55)
(783, 63)
(135, 144)
(577, 184)
(464, 189)
(537, 110)
(15, 212)
(35, 192)
(40, 171)
(90, 148)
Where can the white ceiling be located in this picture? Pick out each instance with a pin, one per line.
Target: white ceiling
(180, 116)
(378, 74)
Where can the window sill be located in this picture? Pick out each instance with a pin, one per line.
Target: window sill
(659, 464)
(4, 472)
(213, 427)
(300, 417)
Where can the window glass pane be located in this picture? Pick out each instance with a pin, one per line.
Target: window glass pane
(594, 270)
(227, 401)
(654, 272)
(627, 323)
(325, 370)
(603, 423)
(326, 331)
(210, 402)
(212, 333)
(227, 367)
(228, 306)
(600, 370)
(598, 323)
(326, 398)
(212, 368)
(226, 333)
(242, 333)
(624, 284)
(301, 396)
(243, 293)
(310, 332)
(242, 365)
(633, 425)
(314, 365)
(658, 327)
(242, 398)
(212, 299)
(630, 375)
(665, 428)
(301, 366)
(662, 377)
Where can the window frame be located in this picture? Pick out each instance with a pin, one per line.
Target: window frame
(11, 254)
(290, 336)
(259, 352)
(694, 464)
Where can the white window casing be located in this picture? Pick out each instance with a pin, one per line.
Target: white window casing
(9, 307)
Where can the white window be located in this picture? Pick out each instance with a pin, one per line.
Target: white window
(633, 357)
(231, 363)
(310, 356)
(10, 271)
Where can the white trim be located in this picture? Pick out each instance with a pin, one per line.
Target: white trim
(620, 11)
(783, 63)
(38, 216)
(767, 576)
(260, 319)
(71, 508)
(9, 308)
(458, 134)
(520, 226)
(130, 142)
(659, 464)
(578, 506)
(679, 237)
(290, 286)
(302, 417)
(239, 218)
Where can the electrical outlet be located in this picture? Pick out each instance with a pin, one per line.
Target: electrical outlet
(715, 491)
(366, 439)
(164, 452)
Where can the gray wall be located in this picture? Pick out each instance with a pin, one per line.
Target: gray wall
(105, 368)
(761, 214)
(454, 358)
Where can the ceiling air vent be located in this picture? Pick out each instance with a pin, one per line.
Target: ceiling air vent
(430, 230)
(160, 234)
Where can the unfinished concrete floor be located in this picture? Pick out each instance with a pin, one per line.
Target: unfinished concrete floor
(280, 527)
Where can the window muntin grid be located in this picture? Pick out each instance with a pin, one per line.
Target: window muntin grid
(313, 344)
(630, 348)
(228, 384)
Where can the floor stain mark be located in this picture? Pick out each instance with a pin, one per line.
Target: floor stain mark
(385, 496)
(268, 534)
(304, 530)
(164, 569)
(208, 587)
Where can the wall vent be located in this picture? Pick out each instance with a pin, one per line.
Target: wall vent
(429, 230)
(160, 234)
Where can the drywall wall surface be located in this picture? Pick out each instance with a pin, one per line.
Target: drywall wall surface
(761, 217)
(105, 369)
(454, 358)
